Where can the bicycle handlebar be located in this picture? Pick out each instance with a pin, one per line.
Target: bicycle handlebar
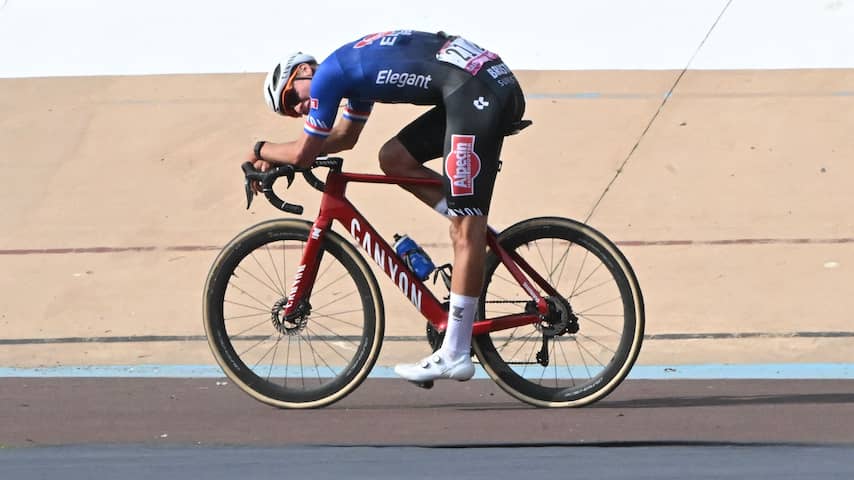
(268, 178)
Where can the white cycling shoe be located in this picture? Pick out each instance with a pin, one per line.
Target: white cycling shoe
(436, 367)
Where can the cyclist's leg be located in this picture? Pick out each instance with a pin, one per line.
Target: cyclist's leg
(468, 236)
(472, 149)
(472, 144)
(418, 142)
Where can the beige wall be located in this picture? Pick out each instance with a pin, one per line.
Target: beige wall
(735, 207)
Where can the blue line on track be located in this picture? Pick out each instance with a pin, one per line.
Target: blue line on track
(782, 371)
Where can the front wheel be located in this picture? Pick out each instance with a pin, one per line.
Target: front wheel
(314, 358)
(589, 344)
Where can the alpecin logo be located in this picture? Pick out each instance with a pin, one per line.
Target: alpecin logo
(462, 165)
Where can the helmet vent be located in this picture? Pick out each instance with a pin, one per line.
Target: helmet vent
(276, 74)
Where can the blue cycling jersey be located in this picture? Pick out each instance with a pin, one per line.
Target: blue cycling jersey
(401, 66)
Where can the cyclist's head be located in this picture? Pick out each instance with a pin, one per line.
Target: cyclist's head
(279, 85)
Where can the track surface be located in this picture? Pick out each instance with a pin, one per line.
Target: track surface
(392, 412)
(206, 428)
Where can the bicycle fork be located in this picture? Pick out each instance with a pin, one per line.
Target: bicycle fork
(297, 304)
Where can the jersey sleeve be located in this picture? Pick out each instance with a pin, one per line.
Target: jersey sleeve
(358, 110)
(326, 95)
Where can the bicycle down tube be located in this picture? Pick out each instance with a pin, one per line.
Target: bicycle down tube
(335, 206)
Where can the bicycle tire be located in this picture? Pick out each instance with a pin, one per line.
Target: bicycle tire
(248, 283)
(583, 367)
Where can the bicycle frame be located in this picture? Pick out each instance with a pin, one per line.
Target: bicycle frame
(335, 206)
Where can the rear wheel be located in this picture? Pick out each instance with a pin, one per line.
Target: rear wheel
(318, 356)
(588, 345)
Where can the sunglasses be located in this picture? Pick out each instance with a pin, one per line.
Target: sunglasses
(290, 97)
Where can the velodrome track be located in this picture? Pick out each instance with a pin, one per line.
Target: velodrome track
(728, 190)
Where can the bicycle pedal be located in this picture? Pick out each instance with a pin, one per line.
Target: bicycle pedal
(426, 385)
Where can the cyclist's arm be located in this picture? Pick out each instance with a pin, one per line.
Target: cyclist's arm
(345, 133)
(301, 152)
(344, 136)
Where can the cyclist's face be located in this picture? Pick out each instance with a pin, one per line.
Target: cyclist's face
(296, 98)
(301, 99)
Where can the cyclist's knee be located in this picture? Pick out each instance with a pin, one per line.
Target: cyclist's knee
(395, 159)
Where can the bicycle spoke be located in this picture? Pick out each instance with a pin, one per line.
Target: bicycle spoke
(586, 279)
(352, 340)
(331, 316)
(567, 364)
(325, 363)
(313, 355)
(262, 282)
(599, 324)
(252, 347)
(266, 274)
(509, 339)
(563, 262)
(329, 284)
(581, 351)
(268, 352)
(287, 361)
(525, 342)
(273, 360)
(578, 275)
(607, 281)
(337, 299)
(251, 327)
(244, 292)
(600, 344)
(248, 315)
(333, 349)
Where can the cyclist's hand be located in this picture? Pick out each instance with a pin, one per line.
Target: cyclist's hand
(262, 166)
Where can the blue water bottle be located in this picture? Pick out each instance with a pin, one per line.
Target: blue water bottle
(415, 258)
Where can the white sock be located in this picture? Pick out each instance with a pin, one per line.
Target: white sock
(442, 207)
(460, 323)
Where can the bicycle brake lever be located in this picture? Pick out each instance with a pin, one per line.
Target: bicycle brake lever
(249, 194)
(290, 174)
(248, 169)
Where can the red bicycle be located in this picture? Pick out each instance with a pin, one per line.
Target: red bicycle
(295, 318)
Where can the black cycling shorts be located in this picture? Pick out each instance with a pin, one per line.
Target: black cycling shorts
(467, 130)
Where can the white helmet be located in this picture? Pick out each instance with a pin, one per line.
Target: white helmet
(282, 77)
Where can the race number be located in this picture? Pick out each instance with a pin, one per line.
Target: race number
(464, 54)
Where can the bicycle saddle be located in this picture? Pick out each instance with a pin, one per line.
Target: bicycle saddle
(517, 127)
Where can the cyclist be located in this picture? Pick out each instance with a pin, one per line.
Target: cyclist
(476, 98)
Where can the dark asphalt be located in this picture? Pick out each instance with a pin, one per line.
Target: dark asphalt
(413, 463)
(206, 428)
